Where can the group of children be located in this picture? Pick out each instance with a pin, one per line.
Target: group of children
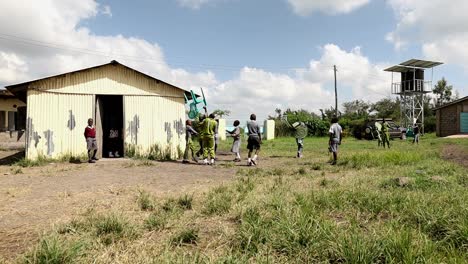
(208, 136)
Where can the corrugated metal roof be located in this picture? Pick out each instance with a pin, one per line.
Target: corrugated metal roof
(421, 63)
(413, 63)
(21, 87)
(452, 103)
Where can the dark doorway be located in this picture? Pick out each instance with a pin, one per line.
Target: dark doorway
(109, 125)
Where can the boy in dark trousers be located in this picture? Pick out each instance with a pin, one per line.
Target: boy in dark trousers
(416, 133)
(91, 144)
(236, 135)
(254, 141)
(189, 149)
(208, 127)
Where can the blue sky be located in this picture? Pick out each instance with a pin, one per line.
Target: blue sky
(249, 55)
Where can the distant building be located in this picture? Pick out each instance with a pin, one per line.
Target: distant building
(9, 105)
(149, 113)
(452, 118)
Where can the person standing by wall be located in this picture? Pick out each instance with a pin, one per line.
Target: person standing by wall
(335, 133)
(189, 149)
(91, 143)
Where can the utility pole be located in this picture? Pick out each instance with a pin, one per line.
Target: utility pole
(336, 93)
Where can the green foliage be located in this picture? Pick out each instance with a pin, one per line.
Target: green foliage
(221, 113)
(443, 91)
(53, 250)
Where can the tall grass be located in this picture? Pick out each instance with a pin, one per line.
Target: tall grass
(53, 250)
(301, 211)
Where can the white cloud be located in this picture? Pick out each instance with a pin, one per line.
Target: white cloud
(439, 26)
(60, 44)
(259, 91)
(307, 7)
(194, 4)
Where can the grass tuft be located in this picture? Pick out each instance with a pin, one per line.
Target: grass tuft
(186, 236)
(145, 201)
(53, 250)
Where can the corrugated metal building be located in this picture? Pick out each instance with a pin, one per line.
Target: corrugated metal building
(452, 118)
(149, 113)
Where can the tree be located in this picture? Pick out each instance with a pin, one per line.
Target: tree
(387, 107)
(356, 109)
(443, 91)
(221, 113)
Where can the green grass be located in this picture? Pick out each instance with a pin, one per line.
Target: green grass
(54, 250)
(145, 202)
(304, 210)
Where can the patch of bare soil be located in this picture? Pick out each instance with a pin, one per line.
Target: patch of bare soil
(36, 198)
(455, 154)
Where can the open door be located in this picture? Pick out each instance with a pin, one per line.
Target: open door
(109, 126)
(98, 124)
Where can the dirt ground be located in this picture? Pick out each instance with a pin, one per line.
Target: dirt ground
(33, 199)
(455, 154)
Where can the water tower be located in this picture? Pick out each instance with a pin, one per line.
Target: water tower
(411, 88)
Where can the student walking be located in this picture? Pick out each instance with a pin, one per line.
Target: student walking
(236, 135)
(335, 138)
(254, 141)
(91, 144)
(208, 127)
(300, 133)
(385, 133)
(416, 133)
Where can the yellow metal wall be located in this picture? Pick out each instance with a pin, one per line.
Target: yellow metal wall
(50, 113)
(155, 122)
(158, 107)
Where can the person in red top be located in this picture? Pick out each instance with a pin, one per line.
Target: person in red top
(90, 135)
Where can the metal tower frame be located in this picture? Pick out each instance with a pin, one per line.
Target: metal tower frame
(412, 91)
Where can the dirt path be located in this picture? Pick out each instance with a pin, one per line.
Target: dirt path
(35, 198)
(456, 154)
